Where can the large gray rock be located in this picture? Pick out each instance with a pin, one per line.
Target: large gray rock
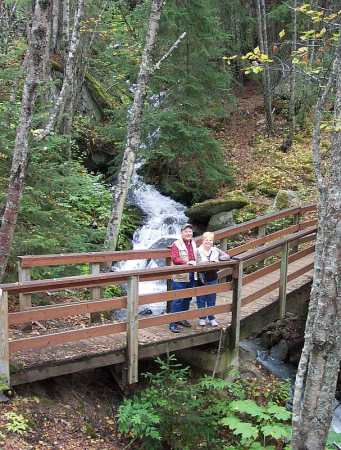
(202, 212)
(220, 220)
(286, 199)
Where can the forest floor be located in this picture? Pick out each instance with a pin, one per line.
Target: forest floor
(65, 413)
(78, 411)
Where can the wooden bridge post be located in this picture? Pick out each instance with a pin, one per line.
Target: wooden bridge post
(132, 329)
(297, 219)
(25, 300)
(4, 351)
(237, 280)
(283, 280)
(95, 292)
(169, 285)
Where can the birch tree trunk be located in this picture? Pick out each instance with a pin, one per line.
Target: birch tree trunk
(320, 361)
(266, 80)
(70, 68)
(38, 56)
(133, 129)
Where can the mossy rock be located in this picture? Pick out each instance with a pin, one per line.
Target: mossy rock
(201, 212)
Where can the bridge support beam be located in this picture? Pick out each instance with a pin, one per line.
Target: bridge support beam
(4, 351)
(132, 329)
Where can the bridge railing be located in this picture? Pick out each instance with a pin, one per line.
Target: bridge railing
(95, 259)
(131, 302)
(240, 264)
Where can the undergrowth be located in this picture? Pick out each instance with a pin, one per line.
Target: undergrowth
(174, 412)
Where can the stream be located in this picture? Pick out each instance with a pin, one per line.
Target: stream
(284, 371)
(163, 220)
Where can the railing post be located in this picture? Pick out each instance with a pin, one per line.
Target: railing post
(237, 281)
(4, 352)
(95, 292)
(297, 219)
(169, 285)
(283, 280)
(132, 329)
(25, 300)
(261, 231)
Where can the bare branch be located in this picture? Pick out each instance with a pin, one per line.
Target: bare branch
(170, 51)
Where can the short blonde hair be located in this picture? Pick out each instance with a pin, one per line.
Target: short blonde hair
(208, 235)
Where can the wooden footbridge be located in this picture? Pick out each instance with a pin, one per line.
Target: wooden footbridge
(38, 342)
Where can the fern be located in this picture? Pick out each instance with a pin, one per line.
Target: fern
(250, 408)
(278, 412)
(245, 429)
(277, 431)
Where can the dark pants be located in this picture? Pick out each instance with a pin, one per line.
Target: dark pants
(181, 304)
(204, 301)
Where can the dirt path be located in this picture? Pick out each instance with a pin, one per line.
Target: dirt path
(240, 130)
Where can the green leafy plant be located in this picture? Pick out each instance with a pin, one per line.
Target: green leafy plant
(210, 413)
(253, 424)
(3, 384)
(16, 423)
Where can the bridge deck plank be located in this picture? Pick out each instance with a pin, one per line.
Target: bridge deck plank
(33, 365)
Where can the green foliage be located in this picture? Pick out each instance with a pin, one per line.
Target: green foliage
(195, 85)
(3, 383)
(167, 165)
(267, 423)
(333, 438)
(210, 413)
(16, 423)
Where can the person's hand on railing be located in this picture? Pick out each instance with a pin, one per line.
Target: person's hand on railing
(192, 262)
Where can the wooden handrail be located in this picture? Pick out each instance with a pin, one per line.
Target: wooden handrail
(107, 278)
(98, 257)
(268, 248)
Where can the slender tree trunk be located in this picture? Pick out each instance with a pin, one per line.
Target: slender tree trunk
(36, 66)
(292, 116)
(320, 361)
(70, 68)
(266, 79)
(133, 131)
(66, 24)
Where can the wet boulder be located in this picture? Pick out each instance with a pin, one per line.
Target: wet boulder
(202, 212)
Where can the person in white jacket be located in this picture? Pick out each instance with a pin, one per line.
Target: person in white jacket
(207, 252)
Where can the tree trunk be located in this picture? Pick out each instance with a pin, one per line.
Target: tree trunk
(266, 80)
(133, 131)
(70, 68)
(320, 361)
(292, 116)
(36, 66)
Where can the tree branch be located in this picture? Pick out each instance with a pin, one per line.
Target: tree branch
(170, 51)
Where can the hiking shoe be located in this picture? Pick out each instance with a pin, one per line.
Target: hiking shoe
(173, 327)
(202, 322)
(213, 323)
(185, 323)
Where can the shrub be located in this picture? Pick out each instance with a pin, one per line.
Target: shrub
(210, 413)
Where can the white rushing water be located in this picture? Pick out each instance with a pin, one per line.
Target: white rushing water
(163, 219)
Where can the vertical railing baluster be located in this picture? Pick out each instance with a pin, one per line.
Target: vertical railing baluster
(237, 281)
(95, 292)
(169, 285)
(132, 329)
(283, 280)
(25, 300)
(4, 352)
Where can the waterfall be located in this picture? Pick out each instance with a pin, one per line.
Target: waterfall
(163, 219)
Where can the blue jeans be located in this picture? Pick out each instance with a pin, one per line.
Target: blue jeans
(204, 301)
(181, 304)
